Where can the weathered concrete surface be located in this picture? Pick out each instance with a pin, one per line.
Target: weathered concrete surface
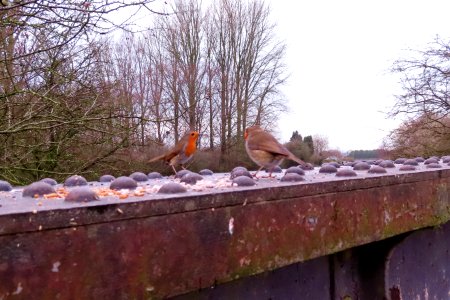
(163, 246)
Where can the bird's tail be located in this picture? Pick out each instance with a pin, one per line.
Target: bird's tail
(160, 157)
(296, 159)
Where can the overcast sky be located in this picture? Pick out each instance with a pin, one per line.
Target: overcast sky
(339, 54)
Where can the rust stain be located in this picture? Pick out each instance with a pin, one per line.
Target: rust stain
(158, 256)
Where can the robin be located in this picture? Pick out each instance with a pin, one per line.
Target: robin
(265, 150)
(181, 153)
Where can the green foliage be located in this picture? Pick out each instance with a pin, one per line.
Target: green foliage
(308, 140)
(303, 149)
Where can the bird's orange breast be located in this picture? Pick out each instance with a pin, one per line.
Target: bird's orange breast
(191, 146)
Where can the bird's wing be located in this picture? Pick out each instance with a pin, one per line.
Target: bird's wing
(165, 157)
(266, 142)
(157, 158)
(181, 145)
(174, 151)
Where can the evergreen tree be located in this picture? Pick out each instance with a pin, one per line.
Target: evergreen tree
(308, 140)
(296, 137)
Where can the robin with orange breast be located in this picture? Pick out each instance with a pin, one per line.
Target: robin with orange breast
(265, 150)
(181, 153)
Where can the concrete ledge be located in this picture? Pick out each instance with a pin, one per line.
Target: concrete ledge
(162, 246)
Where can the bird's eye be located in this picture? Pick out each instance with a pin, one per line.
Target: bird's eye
(192, 134)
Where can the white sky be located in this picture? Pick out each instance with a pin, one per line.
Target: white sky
(338, 55)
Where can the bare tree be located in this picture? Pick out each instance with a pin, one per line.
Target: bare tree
(320, 144)
(211, 80)
(425, 82)
(65, 88)
(425, 101)
(420, 137)
(182, 40)
(160, 102)
(53, 88)
(250, 67)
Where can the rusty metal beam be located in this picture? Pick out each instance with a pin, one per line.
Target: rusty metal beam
(417, 267)
(161, 246)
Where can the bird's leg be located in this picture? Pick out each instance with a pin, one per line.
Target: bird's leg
(270, 175)
(270, 170)
(254, 175)
(174, 170)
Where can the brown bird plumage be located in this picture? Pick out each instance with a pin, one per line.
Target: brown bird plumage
(265, 150)
(181, 153)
